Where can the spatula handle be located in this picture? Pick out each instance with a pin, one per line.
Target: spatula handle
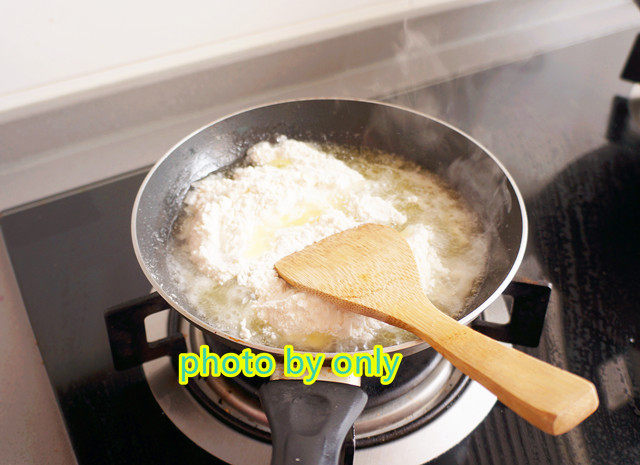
(550, 398)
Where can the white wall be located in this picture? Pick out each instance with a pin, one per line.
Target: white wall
(53, 47)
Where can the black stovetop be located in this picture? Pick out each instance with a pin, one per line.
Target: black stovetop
(545, 118)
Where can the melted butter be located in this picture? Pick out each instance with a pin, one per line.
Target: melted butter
(280, 162)
(264, 234)
(318, 341)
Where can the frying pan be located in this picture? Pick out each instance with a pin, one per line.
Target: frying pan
(309, 423)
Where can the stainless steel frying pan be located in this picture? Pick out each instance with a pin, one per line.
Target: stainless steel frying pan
(309, 423)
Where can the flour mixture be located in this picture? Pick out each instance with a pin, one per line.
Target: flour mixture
(236, 224)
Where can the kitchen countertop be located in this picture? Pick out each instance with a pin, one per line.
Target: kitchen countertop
(31, 425)
(546, 119)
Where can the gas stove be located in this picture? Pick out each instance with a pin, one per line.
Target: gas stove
(546, 119)
(141, 413)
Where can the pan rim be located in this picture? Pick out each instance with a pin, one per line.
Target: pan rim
(405, 347)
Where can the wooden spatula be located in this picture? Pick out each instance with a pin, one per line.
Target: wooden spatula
(372, 270)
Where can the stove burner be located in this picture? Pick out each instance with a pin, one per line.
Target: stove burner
(423, 388)
(412, 371)
(432, 408)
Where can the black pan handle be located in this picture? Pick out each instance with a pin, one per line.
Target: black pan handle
(528, 311)
(127, 335)
(309, 423)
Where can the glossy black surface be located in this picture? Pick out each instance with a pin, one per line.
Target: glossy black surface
(72, 258)
(545, 118)
(631, 71)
